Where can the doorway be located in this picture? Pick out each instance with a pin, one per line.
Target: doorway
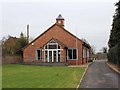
(52, 52)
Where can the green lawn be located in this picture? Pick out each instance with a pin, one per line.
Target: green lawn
(26, 76)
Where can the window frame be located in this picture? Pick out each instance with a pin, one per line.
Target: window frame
(88, 53)
(37, 54)
(72, 53)
(83, 51)
(52, 42)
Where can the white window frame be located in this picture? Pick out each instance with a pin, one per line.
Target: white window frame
(88, 54)
(83, 51)
(37, 54)
(49, 43)
(72, 53)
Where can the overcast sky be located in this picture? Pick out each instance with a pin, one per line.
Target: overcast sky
(91, 19)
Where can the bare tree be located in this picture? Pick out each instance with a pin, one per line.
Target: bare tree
(104, 50)
(93, 49)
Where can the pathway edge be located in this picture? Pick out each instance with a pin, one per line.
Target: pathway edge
(83, 76)
(113, 68)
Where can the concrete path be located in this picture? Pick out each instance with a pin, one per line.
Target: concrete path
(99, 75)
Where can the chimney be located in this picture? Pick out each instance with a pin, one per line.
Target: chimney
(28, 33)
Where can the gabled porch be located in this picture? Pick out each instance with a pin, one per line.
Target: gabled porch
(53, 51)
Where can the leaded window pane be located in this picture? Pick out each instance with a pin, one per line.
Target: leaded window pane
(74, 54)
(69, 54)
(52, 46)
(39, 54)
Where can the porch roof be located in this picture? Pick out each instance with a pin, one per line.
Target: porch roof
(56, 40)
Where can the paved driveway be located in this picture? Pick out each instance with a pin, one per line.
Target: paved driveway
(99, 75)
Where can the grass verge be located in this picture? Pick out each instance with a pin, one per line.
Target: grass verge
(27, 76)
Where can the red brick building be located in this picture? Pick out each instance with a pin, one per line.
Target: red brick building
(9, 45)
(57, 44)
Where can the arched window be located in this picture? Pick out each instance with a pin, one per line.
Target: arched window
(52, 45)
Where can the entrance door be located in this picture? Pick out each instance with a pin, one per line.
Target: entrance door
(50, 56)
(53, 56)
(52, 52)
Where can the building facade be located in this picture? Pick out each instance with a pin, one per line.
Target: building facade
(9, 45)
(57, 44)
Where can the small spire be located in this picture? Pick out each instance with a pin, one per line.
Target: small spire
(60, 20)
(60, 17)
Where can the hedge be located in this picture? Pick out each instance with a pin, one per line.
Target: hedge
(114, 54)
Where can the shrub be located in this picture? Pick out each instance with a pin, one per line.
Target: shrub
(114, 54)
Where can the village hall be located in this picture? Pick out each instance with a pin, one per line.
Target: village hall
(57, 45)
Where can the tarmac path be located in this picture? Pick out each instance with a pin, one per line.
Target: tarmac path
(99, 75)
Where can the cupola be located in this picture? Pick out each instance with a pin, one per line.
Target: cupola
(60, 20)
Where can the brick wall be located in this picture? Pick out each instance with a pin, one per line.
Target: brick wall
(11, 59)
(57, 33)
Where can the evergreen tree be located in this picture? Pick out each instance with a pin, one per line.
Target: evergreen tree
(115, 32)
(22, 42)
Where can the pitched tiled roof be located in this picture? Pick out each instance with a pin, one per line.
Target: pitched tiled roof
(14, 39)
(48, 30)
